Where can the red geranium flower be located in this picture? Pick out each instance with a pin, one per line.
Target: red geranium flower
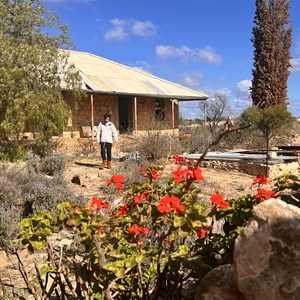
(261, 180)
(98, 203)
(180, 175)
(197, 174)
(191, 172)
(203, 232)
(119, 185)
(153, 174)
(135, 229)
(219, 200)
(124, 210)
(178, 159)
(163, 208)
(264, 195)
(137, 199)
(168, 204)
(117, 181)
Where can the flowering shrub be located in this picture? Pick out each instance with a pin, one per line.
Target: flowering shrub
(152, 240)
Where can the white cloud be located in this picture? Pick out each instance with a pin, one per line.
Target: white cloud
(171, 51)
(294, 107)
(190, 110)
(295, 64)
(295, 61)
(144, 29)
(297, 44)
(123, 28)
(118, 30)
(243, 87)
(242, 98)
(238, 100)
(213, 92)
(153, 69)
(143, 66)
(204, 55)
(191, 79)
(207, 55)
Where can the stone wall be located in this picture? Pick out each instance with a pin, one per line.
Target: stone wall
(255, 169)
(102, 104)
(80, 122)
(146, 115)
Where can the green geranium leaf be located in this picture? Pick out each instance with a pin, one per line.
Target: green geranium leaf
(197, 223)
(36, 243)
(130, 262)
(183, 250)
(120, 273)
(179, 221)
(96, 295)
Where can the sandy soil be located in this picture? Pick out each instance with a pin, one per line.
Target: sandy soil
(86, 167)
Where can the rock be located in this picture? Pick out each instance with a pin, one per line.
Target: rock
(76, 180)
(267, 253)
(219, 284)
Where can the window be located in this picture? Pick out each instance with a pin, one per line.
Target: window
(160, 109)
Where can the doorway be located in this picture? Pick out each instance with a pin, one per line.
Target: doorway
(124, 109)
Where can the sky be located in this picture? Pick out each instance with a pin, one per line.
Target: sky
(204, 45)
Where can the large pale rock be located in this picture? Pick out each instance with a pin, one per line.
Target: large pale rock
(267, 253)
(218, 284)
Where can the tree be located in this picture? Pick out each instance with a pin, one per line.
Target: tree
(272, 40)
(215, 110)
(270, 121)
(32, 72)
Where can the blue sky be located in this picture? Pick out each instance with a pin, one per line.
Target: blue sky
(202, 44)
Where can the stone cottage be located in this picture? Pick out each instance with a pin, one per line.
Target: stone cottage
(137, 101)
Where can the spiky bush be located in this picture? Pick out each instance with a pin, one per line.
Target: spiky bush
(53, 165)
(23, 192)
(155, 145)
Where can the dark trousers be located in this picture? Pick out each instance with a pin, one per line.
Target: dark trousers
(106, 151)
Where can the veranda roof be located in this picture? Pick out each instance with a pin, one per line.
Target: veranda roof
(104, 76)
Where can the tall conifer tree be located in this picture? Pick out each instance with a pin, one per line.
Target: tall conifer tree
(272, 39)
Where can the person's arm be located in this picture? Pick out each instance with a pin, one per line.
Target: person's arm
(114, 133)
(98, 133)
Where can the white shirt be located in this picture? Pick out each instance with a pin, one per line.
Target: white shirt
(107, 133)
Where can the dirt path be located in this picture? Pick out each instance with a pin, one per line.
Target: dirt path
(230, 183)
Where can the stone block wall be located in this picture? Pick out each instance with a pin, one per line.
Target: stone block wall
(106, 104)
(146, 115)
(254, 169)
(81, 117)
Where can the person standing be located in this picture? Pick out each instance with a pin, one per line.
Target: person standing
(106, 135)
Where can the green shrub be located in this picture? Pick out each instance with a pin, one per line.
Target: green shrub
(155, 145)
(53, 165)
(23, 192)
(44, 195)
(194, 138)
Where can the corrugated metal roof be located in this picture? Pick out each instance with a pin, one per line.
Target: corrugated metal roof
(108, 77)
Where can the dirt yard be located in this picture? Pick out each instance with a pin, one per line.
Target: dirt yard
(85, 167)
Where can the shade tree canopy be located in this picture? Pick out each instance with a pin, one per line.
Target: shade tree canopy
(32, 71)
